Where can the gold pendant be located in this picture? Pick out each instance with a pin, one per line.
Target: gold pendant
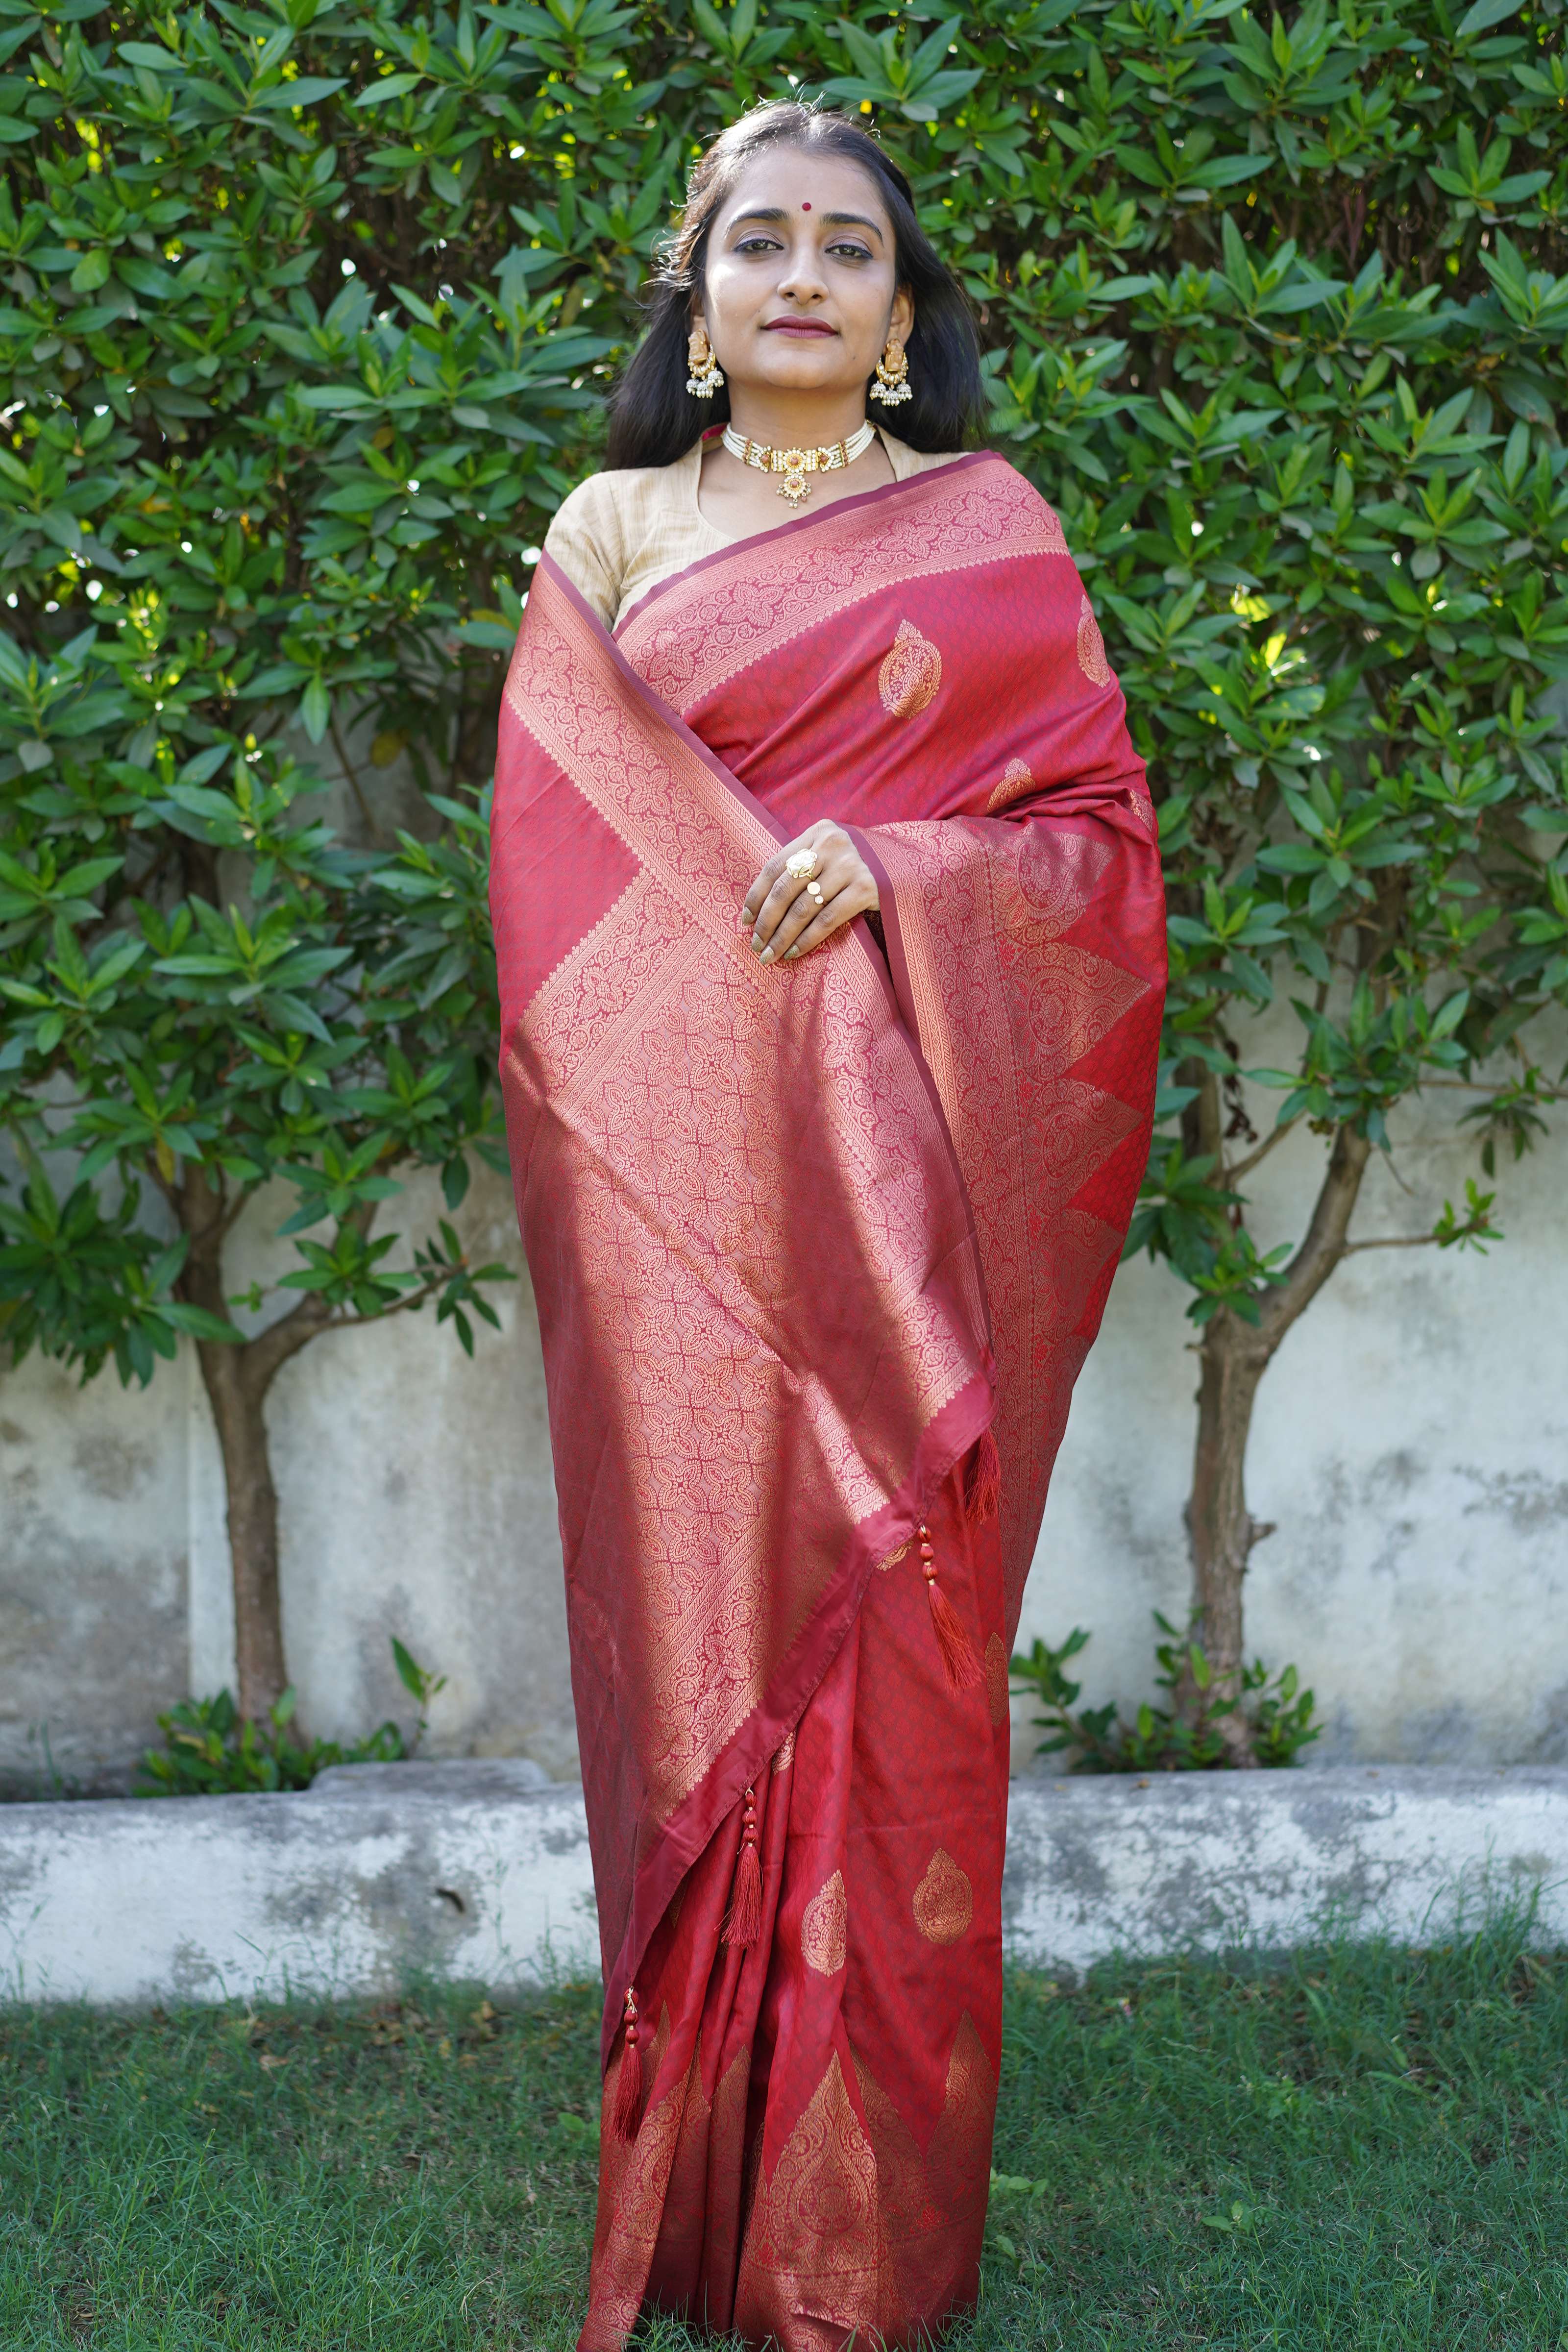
(795, 487)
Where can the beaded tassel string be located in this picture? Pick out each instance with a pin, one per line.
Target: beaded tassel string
(959, 1661)
(744, 1925)
(626, 2113)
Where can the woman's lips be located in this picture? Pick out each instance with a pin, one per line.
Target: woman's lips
(797, 327)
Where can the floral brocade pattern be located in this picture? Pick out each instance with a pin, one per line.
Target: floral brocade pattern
(796, 1233)
(656, 1045)
(763, 595)
(859, 2227)
(933, 2200)
(623, 2246)
(815, 2222)
(1008, 1004)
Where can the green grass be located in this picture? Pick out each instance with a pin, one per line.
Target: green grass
(1366, 2149)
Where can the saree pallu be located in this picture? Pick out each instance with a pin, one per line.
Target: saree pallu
(818, 1249)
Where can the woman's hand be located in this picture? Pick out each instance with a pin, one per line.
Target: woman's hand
(782, 911)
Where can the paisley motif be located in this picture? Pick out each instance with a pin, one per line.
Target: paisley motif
(1017, 778)
(909, 677)
(944, 1901)
(1091, 646)
(824, 1927)
(810, 2258)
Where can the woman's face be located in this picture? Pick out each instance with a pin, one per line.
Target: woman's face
(800, 293)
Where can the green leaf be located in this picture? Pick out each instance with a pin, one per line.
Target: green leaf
(91, 271)
(1483, 16)
(392, 86)
(199, 1323)
(410, 1674)
(316, 710)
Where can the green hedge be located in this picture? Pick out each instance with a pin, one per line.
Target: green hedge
(308, 310)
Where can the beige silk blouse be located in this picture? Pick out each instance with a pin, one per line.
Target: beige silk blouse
(619, 534)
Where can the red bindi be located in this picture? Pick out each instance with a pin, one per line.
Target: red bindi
(806, 208)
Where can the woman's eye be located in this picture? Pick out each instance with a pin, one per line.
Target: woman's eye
(758, 245)
(850, 252)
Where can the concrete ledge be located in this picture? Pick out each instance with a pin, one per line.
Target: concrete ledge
(474, 1871)
(479, 1872)
(1218, 1861)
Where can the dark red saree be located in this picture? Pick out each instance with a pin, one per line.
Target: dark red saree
(819, 1249)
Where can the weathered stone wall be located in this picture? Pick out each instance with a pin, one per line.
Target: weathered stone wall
(480, 1873)
(1411, 1445)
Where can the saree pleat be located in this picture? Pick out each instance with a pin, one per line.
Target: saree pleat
(884, 1817)
(818, 1250)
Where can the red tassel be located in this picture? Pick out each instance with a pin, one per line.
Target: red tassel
(745, 1921)
(958, 1656)
(960, 1663)
(626, 2112)
(985, 1499)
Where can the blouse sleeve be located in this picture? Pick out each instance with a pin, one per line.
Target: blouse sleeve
(585, 540)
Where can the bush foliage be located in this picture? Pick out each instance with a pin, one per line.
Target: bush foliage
(308, 313)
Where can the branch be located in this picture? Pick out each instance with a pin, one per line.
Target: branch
(352, 774)
(1326, 1241)
(263, 1358)
(1245, 1167)
(403, 1306)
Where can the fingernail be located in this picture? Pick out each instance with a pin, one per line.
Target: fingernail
(767, 955)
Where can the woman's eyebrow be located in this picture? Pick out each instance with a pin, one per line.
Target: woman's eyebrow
(830, 220)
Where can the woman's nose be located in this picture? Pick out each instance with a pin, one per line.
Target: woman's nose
(802, 280)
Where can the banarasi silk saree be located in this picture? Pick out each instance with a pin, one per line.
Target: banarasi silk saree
(818, 1249)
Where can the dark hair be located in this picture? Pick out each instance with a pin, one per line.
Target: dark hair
(654, 419)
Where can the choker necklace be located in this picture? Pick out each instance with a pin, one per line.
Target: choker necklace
(794, 465)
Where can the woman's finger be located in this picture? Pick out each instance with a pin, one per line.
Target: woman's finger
(773, 912)
(751, 906)
(792, 923)
(790, 903)
(826, 838)
(832, 919)
(857, 898)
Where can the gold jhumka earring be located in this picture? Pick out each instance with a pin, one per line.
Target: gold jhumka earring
(893, 379)
(706, 375)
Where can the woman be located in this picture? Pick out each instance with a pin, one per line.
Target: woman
(828, 906)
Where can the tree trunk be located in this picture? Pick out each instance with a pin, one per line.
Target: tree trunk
(1235, 1355)
(239, 1417)
(237, 1379)
(1221, 1530)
